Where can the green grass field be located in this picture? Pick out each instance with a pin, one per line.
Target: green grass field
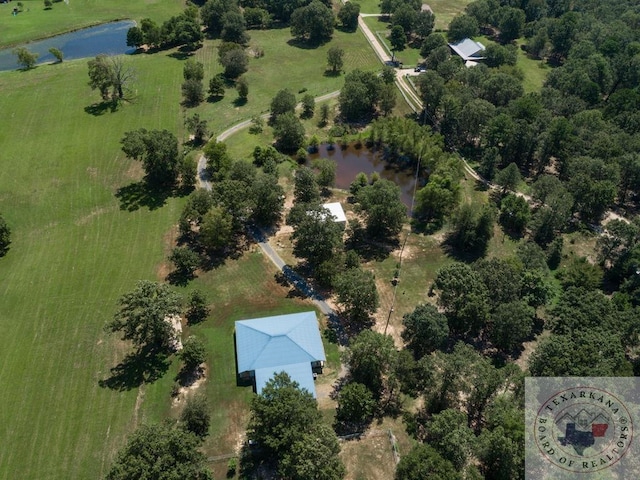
(36, 22)
(74, 252)
(445, 10)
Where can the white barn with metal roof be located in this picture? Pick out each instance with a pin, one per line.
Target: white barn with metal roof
(468, 50)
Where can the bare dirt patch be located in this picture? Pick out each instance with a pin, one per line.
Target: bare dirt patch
(369, 457)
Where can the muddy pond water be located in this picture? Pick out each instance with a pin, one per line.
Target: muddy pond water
(108, 38)
(351, 161)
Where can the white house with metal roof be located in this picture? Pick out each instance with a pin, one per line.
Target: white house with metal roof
(282, 343)
(469, 50)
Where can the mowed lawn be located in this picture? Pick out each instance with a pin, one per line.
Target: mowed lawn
(284, 65)
(36, 22)
(75, 252)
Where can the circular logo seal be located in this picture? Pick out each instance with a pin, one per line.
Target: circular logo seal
(583, 429)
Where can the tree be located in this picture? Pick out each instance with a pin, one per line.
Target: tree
(472, 228)
(197, 308)
(348, 15)
(449, 434)
(313, 456)
(313, 23)
(161, 452)
(509, 178)
(48, 4)
(216, 230)
(398, 38)
(193, 92)
(195, 417)
(216, 87)
(463, 296)
(197, 127)
(305, 186)
(185, 260)
(288, 132)
(511, 324)
(316, 238)
(5, 236)
(234, 28)
(360, 94)
(357, 293)
(135, 37)
(233, 59)
(511, 23)
(503, 279)
(281, 413)
(431, 87)
(269, 200)
(142, 316)
(422, 462)
(213, 14)
(57, 53)
(387, 99)
(308, 106)
(404, 16)
(335, 57)
(110, 73)
(514, 213)
(158, 152)
(431, 42)
(25, 58)
(218, 159)
(424, 23)
(384, 211)
(283, 102)
(425, 330)
(355, 404)
(371, 358)
(595, 352)
(193, 353)
(461, 27)
(326, 168)
(437, 198)
(151, 32)
(193, 70)
(242, 86)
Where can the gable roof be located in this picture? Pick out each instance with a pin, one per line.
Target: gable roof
(288, 343)
(468, 49)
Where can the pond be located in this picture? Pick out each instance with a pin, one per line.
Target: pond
(352, 161)
(109, 38)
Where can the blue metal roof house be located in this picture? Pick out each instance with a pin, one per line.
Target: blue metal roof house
(270, 345)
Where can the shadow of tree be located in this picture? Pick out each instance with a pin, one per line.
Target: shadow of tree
(180, 278)
(332, 74)
(239, 102)
(141, 194)
(144, 366)
(467, 255)
(101, 108)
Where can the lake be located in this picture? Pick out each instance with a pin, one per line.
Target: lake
(352, 161)
(109, 38)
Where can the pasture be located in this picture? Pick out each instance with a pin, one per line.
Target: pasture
(77, 248)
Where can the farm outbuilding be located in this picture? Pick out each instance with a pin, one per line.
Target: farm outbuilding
(469, 50)
(282, 343)
(337, 212)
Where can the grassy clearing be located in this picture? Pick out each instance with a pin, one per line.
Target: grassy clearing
(535, 72)
(369, 6)
(445, 10)
(284, 65)
(36, 22)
